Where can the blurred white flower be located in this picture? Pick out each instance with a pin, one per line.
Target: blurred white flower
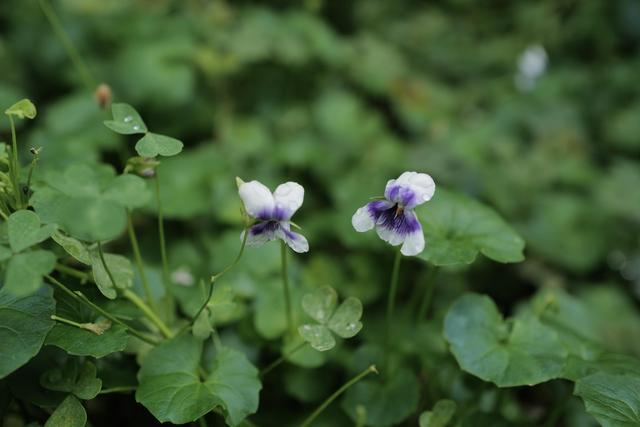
(532, 64)
(183, 277)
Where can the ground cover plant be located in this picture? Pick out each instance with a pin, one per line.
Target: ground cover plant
(316, 213)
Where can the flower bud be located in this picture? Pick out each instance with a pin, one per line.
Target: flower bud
(103, 95)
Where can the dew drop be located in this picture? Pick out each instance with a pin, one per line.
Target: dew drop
(136, 127)
(128, 119)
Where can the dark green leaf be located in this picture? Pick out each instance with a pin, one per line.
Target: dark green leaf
(614, 400)
(70, 413)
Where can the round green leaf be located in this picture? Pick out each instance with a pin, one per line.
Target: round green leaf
(153, 144)
(25, 230)
(387, 401)
(25, 323)
(21, 109)
(318, 336)
(614, 400)
(126, 120)
(346, 320)
(320, 303)
(440, 416)
(457, 227)
(70, 413)
(25, 271)
(172, 390)
(522, 352)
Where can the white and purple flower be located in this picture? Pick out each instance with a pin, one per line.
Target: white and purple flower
(273, 213)
(393, 217)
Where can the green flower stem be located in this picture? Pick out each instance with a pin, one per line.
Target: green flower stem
(79, 296)
(148, 312)
(15, 165)
(307, 422)
(84, 277)
(138, 257)
(285, 283)
(68, 322)
(282, 358)
(427, 298)
(163, 246)
(391, 301)
(73, 53)
(121, 389)
(32, 167)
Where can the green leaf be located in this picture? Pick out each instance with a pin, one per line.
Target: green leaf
(87, 385)
(457, 227)
(614, 400)
(318, 336)
(172, 390)
(21, 109)
(120, 268)
(128, 190)
(202, 327)
(70, 413)
(72, 377)
(386, 401)
(25, 323)
(25, 230)
(521, 352)
(346, 320)
(126, 120)
(153, 144)
(73, 247)
(441, 414)
(320, 303)
(5, 253)
(25, 271)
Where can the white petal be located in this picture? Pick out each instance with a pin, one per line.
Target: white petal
(421, 183)
(289, 196)
(413, 244)
(362, 219)
(295, 241)
(258, 239)
(257, 199)
(389, 236)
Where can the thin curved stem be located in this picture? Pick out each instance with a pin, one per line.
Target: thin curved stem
(15, 165)
(427, 298)
(391, 300)
(136, 253)
(307, 422)
(163, 246)
(282, 358)
(148, 312)
(285, 284)
(73, 53)
(79, 296)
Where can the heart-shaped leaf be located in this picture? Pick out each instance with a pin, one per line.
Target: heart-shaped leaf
(320, 303)
(457, 227)
(72, 377)
(25, 230)
(172, 390)
(26, 322)
(126, 120)
(70, 413)
(21, 109)
(318, 336)
(73, 247)
(523, 352)
(441, 414)
(346, 320)
(614, 400)
(120, 268)
(25, 271)
(153, 144)
(202, 326)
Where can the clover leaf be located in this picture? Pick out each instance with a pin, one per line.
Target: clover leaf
(70, 413)
(73, 247)
(25, 230)
(457, 227)
(21, 109)
(172, 390)
(119, 267)
(520, 352)
(26, 322)
(127, 121)
(75, 378)
(320, 305)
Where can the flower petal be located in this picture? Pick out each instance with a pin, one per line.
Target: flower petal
(421, 183)
(413, 243)
(295, 241)
(362, 220)
(261, 233)
(288, 198)
(257, 198)
(389, 235)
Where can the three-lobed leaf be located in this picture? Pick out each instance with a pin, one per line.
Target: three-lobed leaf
(126, 120)
(22, 109)
(70, 413)
(25, 230)
(153, 144)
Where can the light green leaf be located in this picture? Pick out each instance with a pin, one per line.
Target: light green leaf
(21, 109)
(5, 253)
(70, 413)
(457, 227)
(25, 271)
(521, 352)
(153, 144)
(25, 230)
(25, 323)
(126, 120)
(614, 400)
(128, 190)
(73, 247)
(171, 389)
(202, 327)
(120, 268)
(387, 401)
(318, 336)
(320, 303)
(346, 320)
(441, 414)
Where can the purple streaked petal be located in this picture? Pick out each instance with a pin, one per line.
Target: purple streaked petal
(399, 221)
(401, 194)
(295, 241)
